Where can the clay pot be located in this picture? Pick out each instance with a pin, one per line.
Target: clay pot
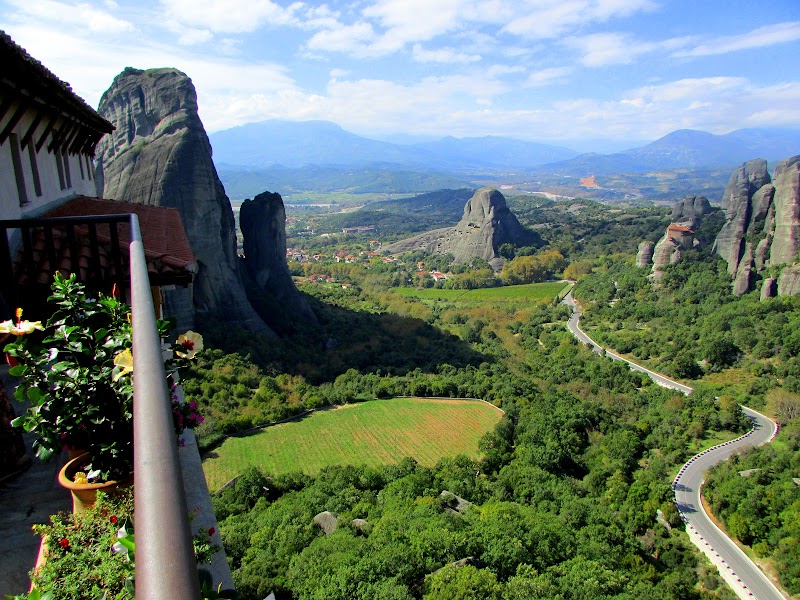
(84, 495)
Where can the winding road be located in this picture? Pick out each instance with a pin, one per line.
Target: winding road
(742, 574)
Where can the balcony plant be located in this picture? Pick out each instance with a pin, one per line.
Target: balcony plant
(75, 374)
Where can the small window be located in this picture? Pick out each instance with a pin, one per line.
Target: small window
(65, 156)
(60, 168)
(19, 175)
(37, 183)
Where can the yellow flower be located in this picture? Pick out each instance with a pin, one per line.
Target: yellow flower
(124, 362)
(80, 477)
(22, 327)
(189, 344)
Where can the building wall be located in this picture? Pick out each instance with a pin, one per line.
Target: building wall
(59, 176)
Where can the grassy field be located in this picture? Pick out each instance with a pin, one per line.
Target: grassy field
(372, 433)
(532, 292)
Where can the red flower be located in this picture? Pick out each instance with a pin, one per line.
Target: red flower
(113, 519)
(64, 543)
(211, 531)
(187, 344)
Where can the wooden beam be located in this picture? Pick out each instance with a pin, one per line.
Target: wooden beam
(5, 106)
(12, 123)
(67, 141)
(60, 135)
(47, 131)
(79, 141)
(26, 139)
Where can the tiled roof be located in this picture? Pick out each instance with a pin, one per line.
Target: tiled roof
(166, 247)
(680, 228)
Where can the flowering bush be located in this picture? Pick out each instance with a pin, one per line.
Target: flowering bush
(75, 372)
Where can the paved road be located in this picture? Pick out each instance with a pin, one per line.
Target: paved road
(741, 573)
(573, 326)
(744, 577)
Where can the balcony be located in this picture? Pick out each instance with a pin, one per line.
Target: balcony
(164, 475)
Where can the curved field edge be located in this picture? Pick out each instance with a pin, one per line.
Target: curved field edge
(530, 292)
(373, 433)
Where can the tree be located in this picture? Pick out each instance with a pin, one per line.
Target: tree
(462, 583)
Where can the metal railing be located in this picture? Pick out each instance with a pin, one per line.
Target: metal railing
(165, 563)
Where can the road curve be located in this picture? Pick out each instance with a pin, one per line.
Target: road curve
(742, 574)
(574, 327)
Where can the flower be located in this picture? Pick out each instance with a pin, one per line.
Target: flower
(189, 344)
(211, 531)
(124, 362)
(22, 327)
(64, 543)
(113, 519)
(80, 477)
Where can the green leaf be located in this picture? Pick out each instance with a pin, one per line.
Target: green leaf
(18, 371)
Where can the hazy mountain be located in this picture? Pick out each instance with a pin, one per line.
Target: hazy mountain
(297, 144)
(686, 148)
(493, 151)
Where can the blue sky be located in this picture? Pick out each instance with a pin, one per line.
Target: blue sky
(557, 71)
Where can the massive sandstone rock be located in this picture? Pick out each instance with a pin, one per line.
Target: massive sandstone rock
(262, 221)
(764, 212)
(159, 154)
(691, 210)
(738, 206)
(487, 223)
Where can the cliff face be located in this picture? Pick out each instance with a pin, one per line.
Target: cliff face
(687, 215)
(159, 154)
(487, 224)
(762, 226)
(262, 222)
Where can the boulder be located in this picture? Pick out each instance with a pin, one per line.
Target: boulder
(487, 224)
(159, 154)
(645, 255)
(744, 273)
(769, 288)
(326, 521)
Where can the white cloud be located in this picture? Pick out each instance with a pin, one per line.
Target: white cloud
(549, 76)
(554, 18)
(352, 39)
(189, 37)
(229, 16)
(442, 55)
(610, 48)
(81, 15)
(768, 35)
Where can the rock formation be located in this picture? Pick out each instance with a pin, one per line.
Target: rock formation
(159, 154)
(691, 210)
(687, 215)
(762, 226)
(644, 258)
(487, 223)
(262, 221)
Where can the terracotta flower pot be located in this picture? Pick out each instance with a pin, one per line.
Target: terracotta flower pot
(84, 495)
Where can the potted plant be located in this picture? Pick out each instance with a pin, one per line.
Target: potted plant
(75, 374)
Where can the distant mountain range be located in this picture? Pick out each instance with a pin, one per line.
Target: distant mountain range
(321, 156)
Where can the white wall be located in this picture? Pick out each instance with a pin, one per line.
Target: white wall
(52, 192)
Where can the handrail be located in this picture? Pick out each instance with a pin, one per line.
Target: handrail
(165, 563)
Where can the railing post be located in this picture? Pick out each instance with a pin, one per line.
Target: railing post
(165, 564)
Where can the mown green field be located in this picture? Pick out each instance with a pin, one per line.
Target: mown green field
(371, 433)
(532, 292)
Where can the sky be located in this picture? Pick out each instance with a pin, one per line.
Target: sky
(584, 74)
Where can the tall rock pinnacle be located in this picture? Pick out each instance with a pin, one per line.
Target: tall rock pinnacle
(159, 154)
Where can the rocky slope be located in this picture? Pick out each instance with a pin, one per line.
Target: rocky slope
(159, 154)
(487, 223)
(761, 234)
